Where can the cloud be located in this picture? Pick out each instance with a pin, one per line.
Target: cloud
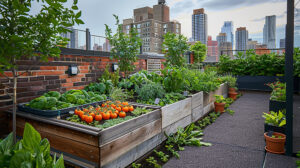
(229, 4)
(263, 18)
(182, 6)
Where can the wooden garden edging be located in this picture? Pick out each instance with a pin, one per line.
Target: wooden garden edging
(122, 144)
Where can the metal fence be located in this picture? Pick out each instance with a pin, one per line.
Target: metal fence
(83, 39)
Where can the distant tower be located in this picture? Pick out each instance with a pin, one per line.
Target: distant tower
(161, 2)
(269, 31)
(199, 26)
(241, 38)
(228, 29)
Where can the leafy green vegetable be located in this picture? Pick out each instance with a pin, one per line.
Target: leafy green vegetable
(139, 111)
(31, 151)
(150, 91)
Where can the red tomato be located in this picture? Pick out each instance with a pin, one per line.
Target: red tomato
(98, 117)
(122, 114)
(106, 116)
(113, 115)
(131, 108)
(125, 109)
(89, 119)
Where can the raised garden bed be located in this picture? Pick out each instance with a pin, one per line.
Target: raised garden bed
(91, 145)
(209, 99)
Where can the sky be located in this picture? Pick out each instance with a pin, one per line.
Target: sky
(243, 13)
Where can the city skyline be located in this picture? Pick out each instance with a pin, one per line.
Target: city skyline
(96, 13)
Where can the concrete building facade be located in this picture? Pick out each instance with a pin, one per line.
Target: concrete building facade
(241, 38)
(152, 24)
(269, 31)
(228, 29)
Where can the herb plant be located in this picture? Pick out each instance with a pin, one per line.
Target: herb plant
(275, 119)
(150, 91)
(153, 162)
(163, 157)
(278, 91)
(220, 99)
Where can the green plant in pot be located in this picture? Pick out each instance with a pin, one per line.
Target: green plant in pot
(275, 121)
(232, 91)
(220, 103)
(275, 142)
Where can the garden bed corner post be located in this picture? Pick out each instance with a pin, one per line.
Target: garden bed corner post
(289, 49)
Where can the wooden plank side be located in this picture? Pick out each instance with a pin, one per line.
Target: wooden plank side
(60, 131)
(79, 149)
(135, 153)
(175, 112)
(119, 130)
(197, 100)
(111, 151)
(197, 113)
(210, 107)
(222, 90)
(173, 127)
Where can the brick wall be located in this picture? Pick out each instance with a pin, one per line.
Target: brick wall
(53, 76)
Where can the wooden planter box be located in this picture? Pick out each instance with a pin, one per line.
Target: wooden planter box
(197, 106)
(176, 115)
(95, 147)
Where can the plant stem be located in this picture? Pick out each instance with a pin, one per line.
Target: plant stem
(14, 104)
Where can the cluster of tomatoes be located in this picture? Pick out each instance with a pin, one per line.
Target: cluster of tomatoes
(108, 110)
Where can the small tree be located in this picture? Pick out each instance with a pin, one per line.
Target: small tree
(124, 47)
(175, 45)
(26, 35)
(199, 50)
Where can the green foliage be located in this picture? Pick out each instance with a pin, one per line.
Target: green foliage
(169, 98)
(140, 111)
(278, 91)
(134, 165)
(150, 91)
(119, 94)
(231, 81)
(24, 34)
(153, 162)
(125, 84)
(220, 99)
(297, 62)
(171, 149)
(187, 136)
(124, 47)
(163, 157)
(31, 151)
(208, 81)
(298, 161)
(98, 88)
(275, 118)
(112, 122)
(252, 64)
(112, 76)
(175, 46)
(199, 50)
(68, 99)
(173, 80)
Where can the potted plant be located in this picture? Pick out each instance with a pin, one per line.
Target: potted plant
(275, 121)
(278, 96)
(219, 103)
(232, 91)
(275, 142)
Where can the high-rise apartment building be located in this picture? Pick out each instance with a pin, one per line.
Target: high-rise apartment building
(152, 24)
(228, 29)
(199, 26)
(222, 37)
(297, 28)
(212, 47)
(241, 38)
(72, 36)
(269, 31)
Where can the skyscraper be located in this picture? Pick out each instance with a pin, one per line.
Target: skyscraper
(297, 28)
(241, 38)
(221, 38)
(152, 24)
(199, 26)
(269, 31)
(72, 36)
(228, 29)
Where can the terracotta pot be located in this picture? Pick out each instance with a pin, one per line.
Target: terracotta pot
(231, 90)
(275, 145)
(233, 95)
(219, 107)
